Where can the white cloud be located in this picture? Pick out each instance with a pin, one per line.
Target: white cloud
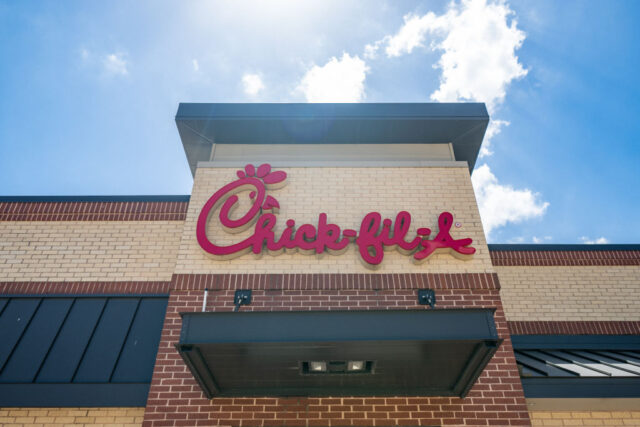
(252, 84)
(501, 204)
(598, 241)
(115, 63)
(478, 45)
(478, 40)
(196, 65)
(371, 50)
(339, 80)
(541, 239)
(494, 128)
(413, 33)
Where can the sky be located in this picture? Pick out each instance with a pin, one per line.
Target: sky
(89, 92)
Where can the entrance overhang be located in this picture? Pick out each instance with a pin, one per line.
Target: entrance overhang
(396, 353)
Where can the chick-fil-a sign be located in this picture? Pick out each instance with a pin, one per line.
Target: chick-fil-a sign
(375, 233)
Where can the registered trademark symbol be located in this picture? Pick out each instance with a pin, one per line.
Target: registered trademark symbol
(458, 225)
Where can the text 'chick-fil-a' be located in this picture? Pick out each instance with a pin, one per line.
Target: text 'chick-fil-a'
(375, 233)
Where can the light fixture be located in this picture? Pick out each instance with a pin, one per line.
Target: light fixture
(337, 367)
(318, 366)
(355, 365)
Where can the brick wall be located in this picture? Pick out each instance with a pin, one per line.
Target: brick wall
(346, 195)
(585, 418)
(88, 250)
(176, 399)
(571, 293)
(93, 211)
(59, 417)
(537, 257)
(580, 327)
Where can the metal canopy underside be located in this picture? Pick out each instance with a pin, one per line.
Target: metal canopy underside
(413, 353)
(461, 124)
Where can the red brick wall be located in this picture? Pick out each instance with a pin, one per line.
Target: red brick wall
(93, 211)
(176, 399)
(574, 328)
(73, 288)
(564, 258)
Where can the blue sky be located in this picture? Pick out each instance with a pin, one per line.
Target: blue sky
(89, 90)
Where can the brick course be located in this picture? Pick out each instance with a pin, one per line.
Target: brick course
(564, 258)
(83, 288)
(574, 328)
(585, 418)
(93, 211)
(60, 417)
(336, 281)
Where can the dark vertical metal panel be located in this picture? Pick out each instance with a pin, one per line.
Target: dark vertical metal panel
(581, 387)
(126, 337)
(73, 301)
(139, 353)
(540, 365)
(631, 357)
(73, 395)
(104, 347)
(3, 304)
(28, 355)
(66, 352)
(13, 322)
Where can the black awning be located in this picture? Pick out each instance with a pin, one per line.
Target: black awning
(83, 350)
(407, 353)
(579, 366)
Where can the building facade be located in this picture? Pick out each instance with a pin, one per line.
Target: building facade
(328, 269)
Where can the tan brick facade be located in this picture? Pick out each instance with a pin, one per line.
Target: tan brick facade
(346, 195)
(124, 254)
(585, 418)
(59, 417)
(593, 293)
(88, 250)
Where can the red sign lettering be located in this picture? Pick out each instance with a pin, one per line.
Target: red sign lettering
(374, 235)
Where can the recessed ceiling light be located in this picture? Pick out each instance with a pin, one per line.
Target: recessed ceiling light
(318, 366)
(356, 365)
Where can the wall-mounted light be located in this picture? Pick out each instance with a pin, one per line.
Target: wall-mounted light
(241, 297)
(427, 297)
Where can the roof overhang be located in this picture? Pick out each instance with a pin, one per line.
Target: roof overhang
(461, 124)
(578, 366)
(408, 353)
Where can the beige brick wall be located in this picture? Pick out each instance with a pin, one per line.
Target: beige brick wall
(58, 417)
(570, 293)
(584, 418)
(88, 250)
(346, 195)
